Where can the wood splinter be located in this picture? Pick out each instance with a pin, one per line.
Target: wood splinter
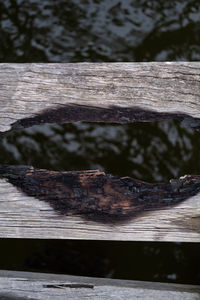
(98, 196)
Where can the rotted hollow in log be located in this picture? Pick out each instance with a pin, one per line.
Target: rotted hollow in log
(98, 196)
(112, 114)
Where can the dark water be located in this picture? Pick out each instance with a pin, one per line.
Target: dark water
(152, 152)
(165, 262)
(99, 31)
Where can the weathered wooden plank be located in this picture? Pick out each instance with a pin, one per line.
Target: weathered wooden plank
(24, 285)
(91, 205)
(105, 92)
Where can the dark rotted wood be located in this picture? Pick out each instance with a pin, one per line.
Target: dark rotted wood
(25, 216)
(35, 286)
(101, 92)
(98, 196)
(74, 113)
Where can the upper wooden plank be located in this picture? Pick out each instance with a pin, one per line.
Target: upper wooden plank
(24, 286)
(162, 87)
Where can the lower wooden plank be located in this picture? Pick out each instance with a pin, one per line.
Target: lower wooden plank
(31, 199)
(24, 286)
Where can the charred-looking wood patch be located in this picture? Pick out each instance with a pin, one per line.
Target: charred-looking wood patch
(112, 114)
(98, 196)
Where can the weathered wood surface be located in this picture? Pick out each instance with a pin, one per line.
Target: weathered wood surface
(106, 92)
(24, 286)
(91, 205)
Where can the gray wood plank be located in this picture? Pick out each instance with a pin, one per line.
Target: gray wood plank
(164, 88)
(24, 285)
(23, 216)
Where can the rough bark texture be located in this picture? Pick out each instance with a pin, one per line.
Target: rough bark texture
(98, 196)
(101, 92)
(94, 205)
(24, 286)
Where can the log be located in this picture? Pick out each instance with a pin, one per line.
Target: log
(25, 285)
(37, 93)
(97, 205)
(37, 203)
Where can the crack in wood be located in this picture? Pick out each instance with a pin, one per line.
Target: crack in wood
(97, 196)
(69, 285)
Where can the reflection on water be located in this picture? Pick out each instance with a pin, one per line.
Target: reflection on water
(93, 30)
(149, 151)
(103, 30)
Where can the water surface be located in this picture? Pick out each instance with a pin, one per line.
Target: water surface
(101, 31)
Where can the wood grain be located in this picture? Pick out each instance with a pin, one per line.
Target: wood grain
(24, 286)
(121, 92)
